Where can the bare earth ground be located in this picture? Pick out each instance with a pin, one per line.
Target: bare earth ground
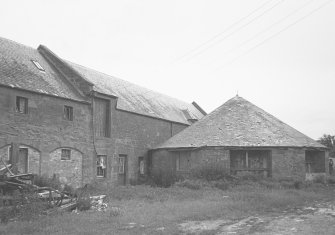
(317, 219)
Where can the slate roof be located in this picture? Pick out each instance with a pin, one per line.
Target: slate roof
(242, 124)
(138, 99)
(17, 70)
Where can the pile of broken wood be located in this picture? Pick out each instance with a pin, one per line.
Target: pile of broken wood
(12, 185)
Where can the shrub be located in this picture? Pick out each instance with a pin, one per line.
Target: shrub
(163, 178)
(210, 171)
(25, 206)
(319, 179)
(223, 185)
(250, 176)
(331, 180)
(84, 204)
(191, 184)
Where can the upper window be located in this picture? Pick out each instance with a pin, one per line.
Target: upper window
(21, 104)
(102, 117)
(68, 113)
(66, 154)
(38, 65)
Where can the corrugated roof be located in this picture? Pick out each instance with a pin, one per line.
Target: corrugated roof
(138, 99)
(18, 70)
(242, 124)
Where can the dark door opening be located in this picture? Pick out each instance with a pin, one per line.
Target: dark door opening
(122, 169)
(22, 165)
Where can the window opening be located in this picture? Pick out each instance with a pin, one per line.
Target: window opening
(21, 105)
(66, 154)
(68, 113)
(101, 166)
(121, 164)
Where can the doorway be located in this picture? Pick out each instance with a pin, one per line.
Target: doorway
(22, 165)
(123, 169)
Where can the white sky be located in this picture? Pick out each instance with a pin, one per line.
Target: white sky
(278, 54)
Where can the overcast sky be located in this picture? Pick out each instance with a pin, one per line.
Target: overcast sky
(278, 54)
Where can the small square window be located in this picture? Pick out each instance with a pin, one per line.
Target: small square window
(21, 105)
(38, 65)
(101, 166)
(68, 113)
(66, 154)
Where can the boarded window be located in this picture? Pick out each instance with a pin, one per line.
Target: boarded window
(21, 105)
(68, 113)
(251, 160)
(101, 165)
(122, 160)
(183, 161)
(102, 120)
(66, 154)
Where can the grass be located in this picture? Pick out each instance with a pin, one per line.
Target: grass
(153, 208)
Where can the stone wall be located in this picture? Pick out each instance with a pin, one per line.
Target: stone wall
(286, 162)
(44, 129)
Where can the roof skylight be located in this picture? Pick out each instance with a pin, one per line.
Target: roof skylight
(38, 65)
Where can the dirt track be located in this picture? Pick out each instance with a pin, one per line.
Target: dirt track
(316, 219)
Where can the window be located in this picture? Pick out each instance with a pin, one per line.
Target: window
(101, 117)
(121, 164)
(141, 165)
(68, 113)
(21, 104)
(38, 65)
(66, 154)
(252, 161)
(101, 166)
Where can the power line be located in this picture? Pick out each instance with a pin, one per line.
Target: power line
(268, 28)
(222, 32)
(276, 34)
(230, 34)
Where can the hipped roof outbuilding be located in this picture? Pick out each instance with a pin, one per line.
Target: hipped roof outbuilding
(239, 123)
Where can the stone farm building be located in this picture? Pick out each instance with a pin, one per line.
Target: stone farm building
(241, 138)
(60, 118)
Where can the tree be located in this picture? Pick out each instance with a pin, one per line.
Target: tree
(329, 142)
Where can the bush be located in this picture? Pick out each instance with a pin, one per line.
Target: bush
(27, 206)
(331, 180)
(210, 171)
(163, 178)
(191, 184)
(223, 185)
(84, 204)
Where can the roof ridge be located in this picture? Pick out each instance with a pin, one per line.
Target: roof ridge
(18, 43)
(133, 84)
